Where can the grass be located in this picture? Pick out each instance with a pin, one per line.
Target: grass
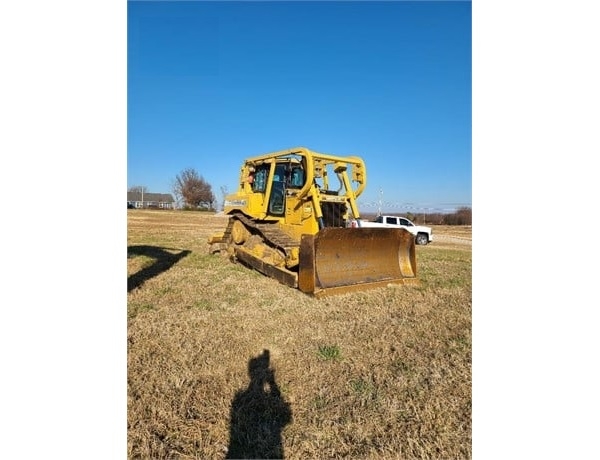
(329, 352)
(224, 362)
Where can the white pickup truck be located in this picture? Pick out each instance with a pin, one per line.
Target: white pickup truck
(422, 234)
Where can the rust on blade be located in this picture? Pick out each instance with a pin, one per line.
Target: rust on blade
(306, 269)
(340, 260)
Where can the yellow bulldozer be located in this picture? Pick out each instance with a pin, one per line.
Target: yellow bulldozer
(289, 220)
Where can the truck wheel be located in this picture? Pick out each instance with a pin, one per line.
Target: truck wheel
(422, 239)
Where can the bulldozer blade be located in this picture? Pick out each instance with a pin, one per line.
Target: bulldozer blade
(339, 260)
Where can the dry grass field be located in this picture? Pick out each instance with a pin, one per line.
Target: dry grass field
(224, 362)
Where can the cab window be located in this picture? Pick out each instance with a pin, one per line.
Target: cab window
(260, 180)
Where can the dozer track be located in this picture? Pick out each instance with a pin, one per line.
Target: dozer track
(270, 232)
(335, 260)
(272, 237)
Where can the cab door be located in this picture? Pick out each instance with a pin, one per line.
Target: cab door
(277, 197)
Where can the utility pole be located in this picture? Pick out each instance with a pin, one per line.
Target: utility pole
(380, 201)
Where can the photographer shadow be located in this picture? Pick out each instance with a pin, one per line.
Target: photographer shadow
(163, 260)
(258, 414)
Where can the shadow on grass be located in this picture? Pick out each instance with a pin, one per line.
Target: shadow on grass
(163, 260)
(258, 414)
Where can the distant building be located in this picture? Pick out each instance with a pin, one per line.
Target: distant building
(150, 200)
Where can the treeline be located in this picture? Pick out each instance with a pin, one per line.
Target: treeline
(192, 192)
(462, 216)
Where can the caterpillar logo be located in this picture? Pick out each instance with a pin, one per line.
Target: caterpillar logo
(235, 202)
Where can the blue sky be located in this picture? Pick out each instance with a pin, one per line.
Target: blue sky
(211, 83)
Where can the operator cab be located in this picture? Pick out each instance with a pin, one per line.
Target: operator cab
(287, 175)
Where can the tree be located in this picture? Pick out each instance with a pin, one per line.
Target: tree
(177, 193)
(224, 193)
(462, 216)
(138, 188)
(193, 189)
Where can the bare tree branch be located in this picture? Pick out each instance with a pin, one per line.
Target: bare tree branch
(193, 189)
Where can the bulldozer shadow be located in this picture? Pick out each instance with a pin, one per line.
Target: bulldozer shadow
(163, 260)
(258, 414)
